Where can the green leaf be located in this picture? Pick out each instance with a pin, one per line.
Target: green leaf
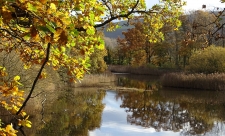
(50, 28)
(72, 44)
(75, 32)
(31, 7)
(90, 31)
(43, 28)
(27, 37)
(63, 49)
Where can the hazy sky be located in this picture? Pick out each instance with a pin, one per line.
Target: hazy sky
(194, 4)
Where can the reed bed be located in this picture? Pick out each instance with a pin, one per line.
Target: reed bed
(215, 81)
(138, 70)
(96, 80)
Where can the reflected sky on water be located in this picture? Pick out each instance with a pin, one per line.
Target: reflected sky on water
(114, 121)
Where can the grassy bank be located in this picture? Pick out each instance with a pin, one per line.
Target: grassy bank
(215, 81)
(139, 70)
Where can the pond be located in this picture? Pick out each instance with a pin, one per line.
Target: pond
(147, 110)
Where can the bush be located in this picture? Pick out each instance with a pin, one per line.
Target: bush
(210, 60)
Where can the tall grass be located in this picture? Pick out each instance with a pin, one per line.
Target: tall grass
(215, 81)
(96, 80)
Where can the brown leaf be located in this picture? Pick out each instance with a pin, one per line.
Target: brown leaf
(63, 38)
(6, 15)
(43, 1)
(33, 31)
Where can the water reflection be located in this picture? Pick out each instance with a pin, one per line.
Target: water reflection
(71, 114)
(150, 109)
(138, 81)
(129, 113)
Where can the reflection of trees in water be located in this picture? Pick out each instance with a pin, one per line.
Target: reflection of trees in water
(134, 83)
(150, 109)
(74, 114)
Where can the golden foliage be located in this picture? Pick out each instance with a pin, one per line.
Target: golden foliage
(66, 30)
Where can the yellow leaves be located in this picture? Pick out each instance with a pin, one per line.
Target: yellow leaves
(53, 7)
(23, 1)
(57, 34)
(55, 62)
(25, 122)
(81, 18)
(23, 113)
(26, 66)
(14, 109)
(10, 130)
(66, 19)
(3, 71)
(90, 30)
(16, 78)
(43, 75)
(13, 99)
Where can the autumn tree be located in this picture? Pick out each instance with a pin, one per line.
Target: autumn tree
(62, 34)
(133, 45)
(193, 34)
(205, 27)
(138, 50)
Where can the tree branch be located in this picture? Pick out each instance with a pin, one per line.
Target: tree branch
(118, 16)
(132, 11)
(36, 79)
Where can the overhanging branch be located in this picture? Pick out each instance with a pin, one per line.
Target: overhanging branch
(112, 17)
(36, 79)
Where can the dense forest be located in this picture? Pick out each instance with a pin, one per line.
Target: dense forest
(199, 30)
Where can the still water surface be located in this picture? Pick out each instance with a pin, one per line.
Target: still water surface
(146, 113)
(161, 112)
(115, 121)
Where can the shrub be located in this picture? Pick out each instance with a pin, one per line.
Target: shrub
(209, 60)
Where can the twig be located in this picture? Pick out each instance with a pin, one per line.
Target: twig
(42, 110)
(37, 94)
